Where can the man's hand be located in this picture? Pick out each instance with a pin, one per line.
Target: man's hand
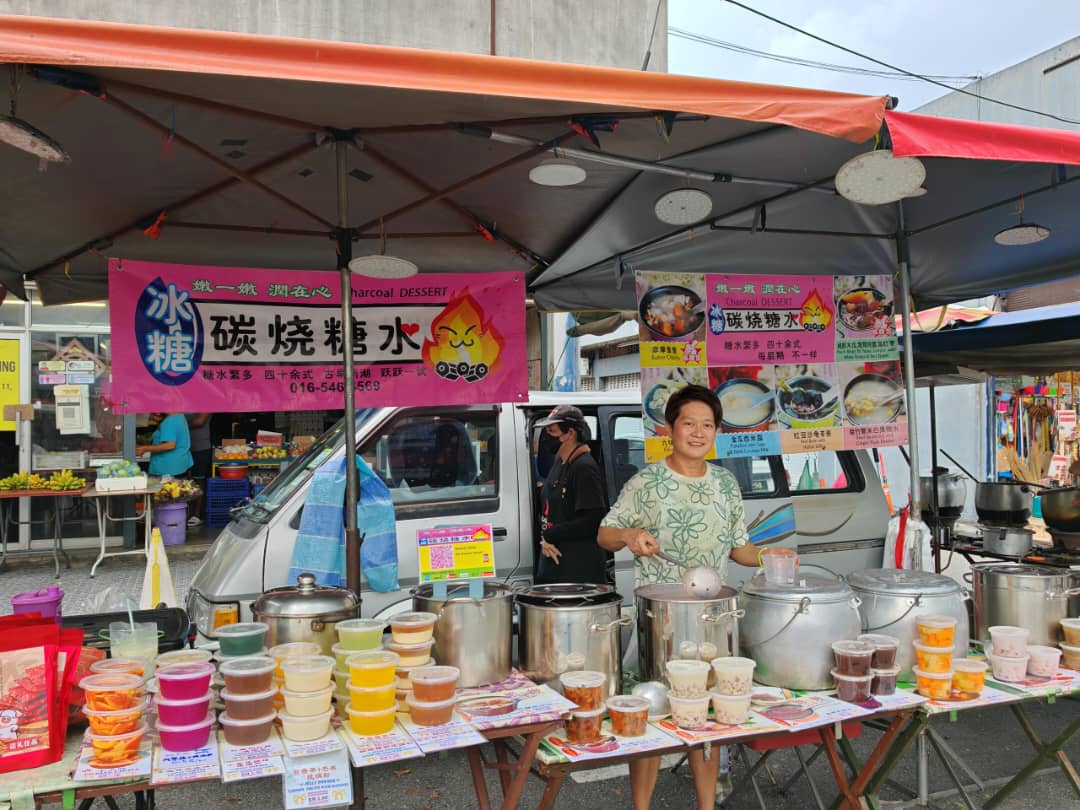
(550, 551)
(642, 544)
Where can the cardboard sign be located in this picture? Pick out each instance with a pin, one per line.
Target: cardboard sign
(455, 552)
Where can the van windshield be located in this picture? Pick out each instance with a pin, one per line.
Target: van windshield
(292, 477)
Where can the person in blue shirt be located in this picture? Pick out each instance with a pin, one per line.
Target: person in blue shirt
(170, 453)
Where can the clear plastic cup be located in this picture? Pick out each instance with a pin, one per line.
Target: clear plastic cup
(781, 565)
(308, 673)
(244, 638)
(1070, 656)
(853, 657)
(307, 704)
(1043, 661)
(885, 649)
(852, 688)
(936, 631)
(138, 641)
(412, 628)
(1071, 629)
(371, 724)
(434, 683)
(584, 688)
(730, 710)
(969, 675)
(934, 685)
(372, 668)
(933, 659)
(292, 649)
(187, 737)
(1009, 642)
(688, 678)
(734, 675)
(246, 732)
(360, 634)
(412, 655)
(1009, 668)
(690, 712)
(884, 680)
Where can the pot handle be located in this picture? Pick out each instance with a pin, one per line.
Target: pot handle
(622, 621)
(912, 604)
(716, 617)
(967, 577)
(803, 607)
(840, 577)
(1071, 592)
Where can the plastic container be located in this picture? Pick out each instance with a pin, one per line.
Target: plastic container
(373, 668)
(248, 676)
(730, 710)
(402, 696)
(309, 673)
(106, 693)
(307, 704)
(246, 732)
(1009, 668)
(969, 675)
(120, 721)
(412, 628)
(185, 738)
(883, 681)
(936, 631)
(119, 666)
(360, 634)
(933, 659)
(934, 685)
(1043, 661)
(853, 657)
(852, 688)
(1009, 642)
(302, 729)
(372, 698)
(781, 565)
(245, 638)
(46, 602)
(290, 650)
(1071, 629)
(249, 707)
(434, 683)
(114, 750)
(371, 724)
(412, 655)
(138, 641)
(279, 701)
(885, 648)
(583, 726)
(1070, 656)
(733, 675)
(687, 678)
(341, 654)
(689, 712)
(629, 715)
(341, 681)
(184, 681)
(585, 689)
(403, 674)
(182, 712)
(434, 713)
(183, 657)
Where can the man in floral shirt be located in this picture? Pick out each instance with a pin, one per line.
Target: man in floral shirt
(692, 510)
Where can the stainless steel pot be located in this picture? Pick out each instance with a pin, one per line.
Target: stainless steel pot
(563, 627)
(473, 635)
(671, 624)
(1003, 503)
(891, 600)
(951, 489)
(1008, 541)
(1061, 508)
(305, 612)
(789, 629)
(1037, 597)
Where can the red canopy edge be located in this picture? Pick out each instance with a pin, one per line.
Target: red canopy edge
(74, 43)
(916, 135)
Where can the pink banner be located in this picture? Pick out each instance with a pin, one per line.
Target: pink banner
(190, 338)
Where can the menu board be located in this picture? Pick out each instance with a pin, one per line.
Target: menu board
(800, 363)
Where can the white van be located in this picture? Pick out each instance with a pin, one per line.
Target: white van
(837, 519)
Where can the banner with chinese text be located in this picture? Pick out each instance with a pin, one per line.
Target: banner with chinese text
(191, 338)
(800, 363)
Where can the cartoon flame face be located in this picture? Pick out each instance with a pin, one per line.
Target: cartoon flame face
(462, 343)
(816, 317)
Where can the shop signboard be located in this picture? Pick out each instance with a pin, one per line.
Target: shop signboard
(800, 363)
(195, 338)
(9, 378)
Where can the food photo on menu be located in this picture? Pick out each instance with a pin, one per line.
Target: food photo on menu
(671, 306)
(657, 386)
(864, 306)
(873, 393)
(808, 395)
(747, 394)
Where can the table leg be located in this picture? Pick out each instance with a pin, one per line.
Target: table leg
(950, 770)
(101, 533)
(839, 774)
(359, 798)
(806, 771)
(476, 766)
(58, 526)
(5, 505)
(922, 769)
(517, 786)
(553, 784)
(896, 751)
(503, 765)
(1053, 750)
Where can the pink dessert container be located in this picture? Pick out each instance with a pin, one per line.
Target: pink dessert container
(186, 738)
(182, 712)
(184, 681)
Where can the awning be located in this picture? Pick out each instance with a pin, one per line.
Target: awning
(916, 135)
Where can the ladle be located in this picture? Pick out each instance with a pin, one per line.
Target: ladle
(700, 581)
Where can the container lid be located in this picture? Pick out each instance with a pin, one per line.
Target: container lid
(185, 672)
(296, 718)
(138, 731)
(317, 693)
(368, 659)
(363, 689)
(411, 649)
(111, 712)
(582, 679)
(190, 727)
(109, 683)
(305, 600)
(308, 663)
(125, 666)
(842, 676)
(360, 625)
(432, 704)
(242, 629)
(413, 619)
(255, 665)
(628, 703)
(675, 592)
(243, 698)
(294, 648)
(902, 582)
(568, 594)
(258, 654)
(182, 657)
(379, 713)
(164, 701)
(819, 590)
(440, 674)
(50, 594)
(226, 720)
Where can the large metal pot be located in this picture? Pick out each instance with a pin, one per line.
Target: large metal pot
(1008, 541)
(891, 600)
(473, 635)
(789, 629)
(951, 489)
(1003, 503)
(1061, 508)
(564, 627)
(1037, 597)
(305, 612)
(672, 624)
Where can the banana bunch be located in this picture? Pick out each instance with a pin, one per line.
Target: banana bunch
(268, 452)
(65, 480)
(24, 480)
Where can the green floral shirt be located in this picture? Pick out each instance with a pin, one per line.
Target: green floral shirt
(698, 520)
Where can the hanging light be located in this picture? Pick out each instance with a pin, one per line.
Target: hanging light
(380, 266)
(683, 206)
(25, 136)
(1023, 233)
(878, 177)
(557, 172)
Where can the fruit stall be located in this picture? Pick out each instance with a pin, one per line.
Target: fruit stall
(240, 470)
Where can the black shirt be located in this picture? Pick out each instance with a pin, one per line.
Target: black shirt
(572, 504)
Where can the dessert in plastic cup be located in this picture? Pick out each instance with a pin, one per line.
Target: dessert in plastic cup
(412, 628)
(185, 738)
(403, 673)
(730, 710)
(110, 723)
(690, 712)
(934, 685)
(885, 648)
(1009, 642)
(291, 649)
(936, 631)
(248, 707)
(852, 688)
(341, 654)
(969, 675)
(412, 655)
(307, 704)
(1070, 656)
(308, 673)
(248, 676)
(184, 681)
(402, 696)
(1008, 668)
(687, 677)
(119, 666)
(629, 715)
(853, 657)
(434, 713)
(105, 693)
(116, 750)
(733, 675)
(246, 732)
(183, 657)
(341, 680)
(933, 659)
(371, 724)
(584, 726)
(302, 729)
(1043, 661)
(372, 698)
(884, 680)
(182, 712)
(360, 634)
(434, 683)
(585, 689)
(1071, 629)
(373, 667)
(244, 638)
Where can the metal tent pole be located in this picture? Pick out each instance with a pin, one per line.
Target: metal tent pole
(909, 368)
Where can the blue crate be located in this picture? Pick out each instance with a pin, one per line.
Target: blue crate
(225, 486)
(256, 489)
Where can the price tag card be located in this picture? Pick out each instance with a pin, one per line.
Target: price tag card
(455, 734)
(174, 767)
(313, 748)
(241, 770)
(92, 769)
(272, 747)
(320, 780)
(393, 746)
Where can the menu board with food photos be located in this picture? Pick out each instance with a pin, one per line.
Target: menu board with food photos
(800, 363)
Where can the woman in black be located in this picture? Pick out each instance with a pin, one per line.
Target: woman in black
(572, 504)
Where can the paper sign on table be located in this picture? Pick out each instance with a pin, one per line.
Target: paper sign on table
(174, 767)
(455, 734)
(534, 704)
(272, 747)
(813, 711)
(989, 697)
(609, 745)
(243, 769)
(393, 746)
(88, 771)
(755, 724)
(321, 780)
(313, 748)
(900, 699)
(1065, 681)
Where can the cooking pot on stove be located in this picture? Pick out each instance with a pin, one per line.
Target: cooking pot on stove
(1061, 508)
(1008, 541)
(1003, 503)
(951, 490)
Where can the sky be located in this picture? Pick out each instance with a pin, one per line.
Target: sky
(945, 37)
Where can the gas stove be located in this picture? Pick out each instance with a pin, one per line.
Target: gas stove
(1066, 542)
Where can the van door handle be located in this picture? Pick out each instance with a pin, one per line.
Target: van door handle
(498, 533)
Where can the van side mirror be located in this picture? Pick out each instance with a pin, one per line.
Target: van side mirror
(294, 521)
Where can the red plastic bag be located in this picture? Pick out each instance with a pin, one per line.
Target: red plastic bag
(29, 694)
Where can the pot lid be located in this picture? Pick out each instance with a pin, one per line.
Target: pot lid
(902, 582)
(305, 599)
(1021, 570)
(568, 593)
(817, 589)
(676, 592)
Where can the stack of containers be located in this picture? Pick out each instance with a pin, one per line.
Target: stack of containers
(734, 681)
(1013, 659)
(585, 689)
(371, 687)
(934, 656)
(883, 668)
(411, 639)
(433, 694)
(114, 705)
(1070, 647)
(249, 699)
(854, 660)
(281, 653)
(183, 705)
(307, 692)
(242, 640)
(354, 635)
(687, 695)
